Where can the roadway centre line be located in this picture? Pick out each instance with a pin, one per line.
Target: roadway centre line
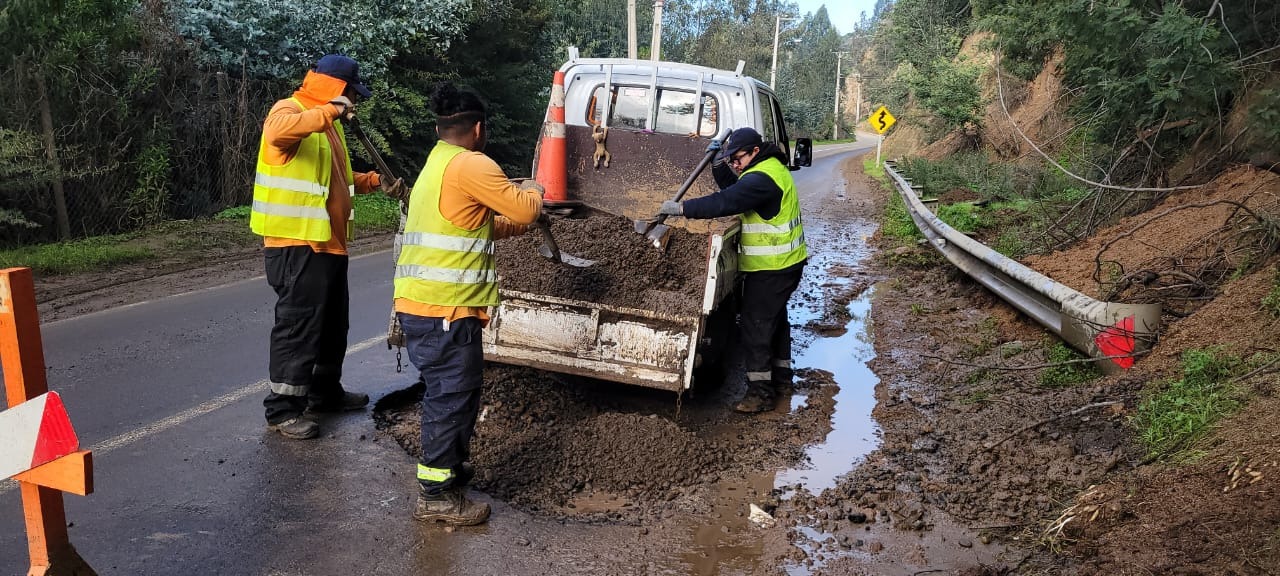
(190, 413)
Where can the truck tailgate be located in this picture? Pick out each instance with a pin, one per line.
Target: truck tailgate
(641, 347)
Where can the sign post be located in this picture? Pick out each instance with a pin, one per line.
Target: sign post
(54, 463)
(880, 120)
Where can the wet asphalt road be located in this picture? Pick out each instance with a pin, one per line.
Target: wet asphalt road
(168, 395)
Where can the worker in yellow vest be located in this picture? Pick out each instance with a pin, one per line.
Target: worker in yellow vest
(302, 209)
(445, 281)
(756, 184)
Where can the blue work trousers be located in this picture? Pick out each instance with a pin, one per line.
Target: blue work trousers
(450, 358)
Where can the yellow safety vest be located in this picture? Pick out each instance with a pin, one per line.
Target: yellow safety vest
(778, 242)
(440, 263)
(289, 200)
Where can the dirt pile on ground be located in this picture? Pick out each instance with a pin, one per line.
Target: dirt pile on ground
(1198, 237)
(595, 451)
(1213, 515)
(629, 271)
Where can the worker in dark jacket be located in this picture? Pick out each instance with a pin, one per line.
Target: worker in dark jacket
(756, 184)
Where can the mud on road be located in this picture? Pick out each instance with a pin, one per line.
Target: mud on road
(967, 468)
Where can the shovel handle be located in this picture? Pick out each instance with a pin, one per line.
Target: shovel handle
(384, 171)
(688, 182)
(547, 239)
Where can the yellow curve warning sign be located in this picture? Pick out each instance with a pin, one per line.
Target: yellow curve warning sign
(881, 120)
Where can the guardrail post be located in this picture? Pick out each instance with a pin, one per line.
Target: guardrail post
(22, 355)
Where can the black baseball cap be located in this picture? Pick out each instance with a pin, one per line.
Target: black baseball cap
(345, 69)
(740, 139)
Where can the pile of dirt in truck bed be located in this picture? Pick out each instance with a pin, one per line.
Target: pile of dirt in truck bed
(629, 271)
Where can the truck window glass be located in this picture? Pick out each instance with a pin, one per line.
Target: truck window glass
(676, 110)
(710, 116)
(768, 130)
(783, 141)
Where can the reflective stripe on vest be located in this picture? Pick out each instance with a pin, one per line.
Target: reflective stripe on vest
(441, 264)
(289, 200)
(778, 242)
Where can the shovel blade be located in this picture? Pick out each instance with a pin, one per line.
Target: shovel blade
(644, 226)
(568, 259)
(659, 235)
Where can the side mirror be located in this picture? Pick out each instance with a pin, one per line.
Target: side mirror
(804, 153)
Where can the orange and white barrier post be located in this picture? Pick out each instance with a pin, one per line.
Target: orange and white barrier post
(40, 449)
(552, 169)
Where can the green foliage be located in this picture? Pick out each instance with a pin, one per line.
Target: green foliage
(1271, 302)
(1180, 412)
(964, 217)
(948, 90)
(76, 256)
(972, 170)
(1265, 119)
(234, 213)
(1011, 244)
(280, 39)
(874, 170)
(376, 213)
(1135, 63)
(896, 222)
(146, 202)
(1066, 374)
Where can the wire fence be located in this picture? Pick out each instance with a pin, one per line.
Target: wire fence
(92, 152)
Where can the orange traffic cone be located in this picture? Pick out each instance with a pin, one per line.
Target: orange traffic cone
(552, 172)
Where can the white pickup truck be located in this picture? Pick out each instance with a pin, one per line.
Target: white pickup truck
(661, 116)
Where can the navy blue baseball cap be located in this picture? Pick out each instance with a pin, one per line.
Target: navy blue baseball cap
(345, 69)
(740, 139)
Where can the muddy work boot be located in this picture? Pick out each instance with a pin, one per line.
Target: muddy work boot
(757, 399)
(348, 401)
(450, 506)
(296, 428)
(463, 474)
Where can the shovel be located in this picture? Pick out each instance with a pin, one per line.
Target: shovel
(656, 231)
(384, 171)
(551, 251)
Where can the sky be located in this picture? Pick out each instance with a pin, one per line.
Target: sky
(843, 13)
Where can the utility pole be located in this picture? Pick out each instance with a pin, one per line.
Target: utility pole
(656, 45)
(631, 29)
(835, 123)
(777, 25)
(857, 106)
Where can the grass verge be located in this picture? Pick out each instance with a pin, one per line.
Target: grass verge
(1176, 414)
(1066, 374)
(75, 256)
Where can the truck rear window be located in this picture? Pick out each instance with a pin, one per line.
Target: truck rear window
(676, 113)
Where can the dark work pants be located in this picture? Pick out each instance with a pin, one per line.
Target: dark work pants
(765, 330)
(309, 339)
(450, 359)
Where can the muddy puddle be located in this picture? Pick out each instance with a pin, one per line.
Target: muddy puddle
(843, 359)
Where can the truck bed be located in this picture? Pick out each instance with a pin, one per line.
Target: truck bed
(638, 316)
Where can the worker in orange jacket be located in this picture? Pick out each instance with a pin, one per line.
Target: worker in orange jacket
(302, 207)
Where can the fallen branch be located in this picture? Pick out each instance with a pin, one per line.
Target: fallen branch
(989, 446)
(1256, 371)
(1034, 366)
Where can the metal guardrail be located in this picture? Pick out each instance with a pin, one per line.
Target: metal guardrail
(1111, 332)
